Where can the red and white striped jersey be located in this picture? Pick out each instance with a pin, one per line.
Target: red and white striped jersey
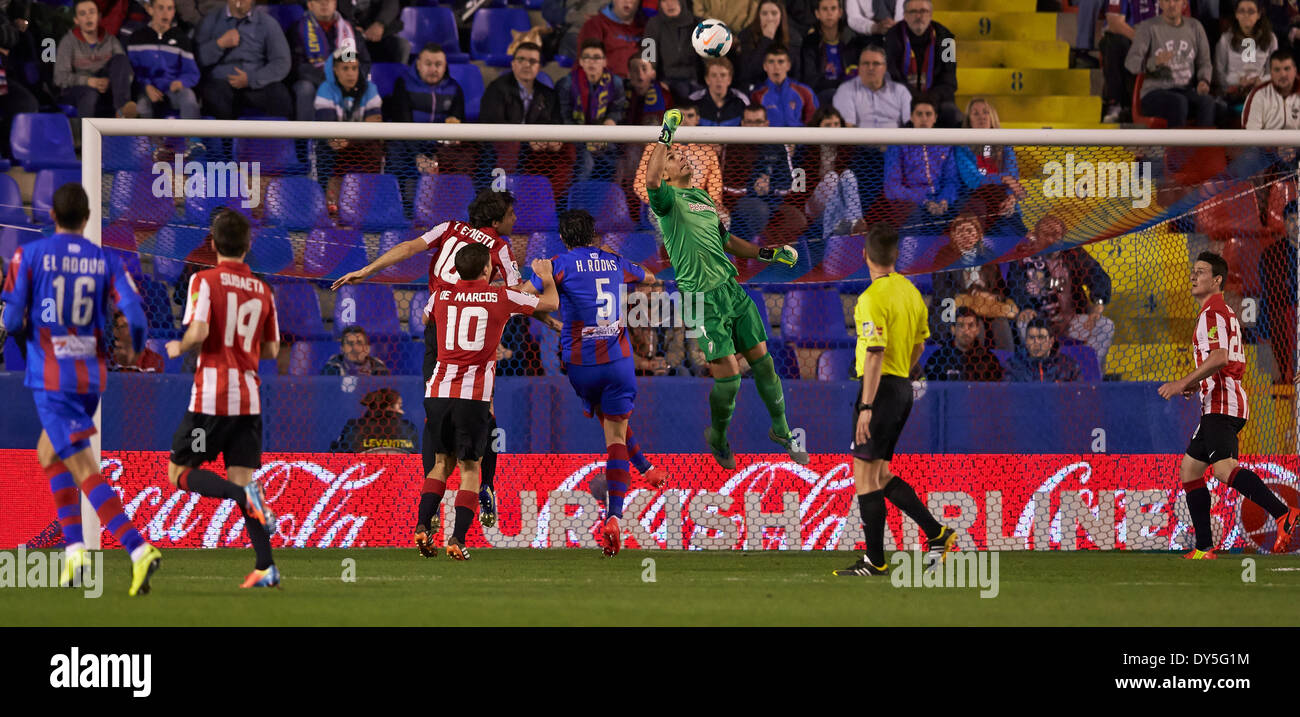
(447, 238)
(470, 316)
(240, 312)
(1217, 328)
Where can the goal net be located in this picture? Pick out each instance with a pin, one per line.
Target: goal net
(1056, 266)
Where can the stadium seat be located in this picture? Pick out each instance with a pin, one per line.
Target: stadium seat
(835, 365)
(270, 251)
(543, 245)
(275, 155)
(1138, 117)
(159, 346)
(415, 313)
(198, 209)
(634, 246)
(442, 197)
(1278, 197)
(307, 358)
(11, 203)
(129, 260)
(490, 34)
(534, 203)
(298, 308)
(415, 269)
(158, 307)
(761, 302)
(402, 355)
(422, 25)
(126, 153)
(1089, 370)
(549, 343)
(331, 253)
(170, 246)
(605, 201)
(546, 80)
(470, 78)
(48, 180)
(814, 318)
(41, 140)
(843, 256)
(1230, 212)
(296, 203)
(371, 203)
(287, 15)
(14, 356)
(384, 74)
(13, 237)
(371, 306)
(132, 200)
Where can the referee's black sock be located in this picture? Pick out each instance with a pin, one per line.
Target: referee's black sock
(1247, 483)
(872, 507)
(260, 539)
(900, 493)
(211, 485)
(488, 469)
(1198, 504)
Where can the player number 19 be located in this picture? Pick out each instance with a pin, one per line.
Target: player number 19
(241, 319)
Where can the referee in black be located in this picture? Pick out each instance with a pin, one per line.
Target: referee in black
(890, 317)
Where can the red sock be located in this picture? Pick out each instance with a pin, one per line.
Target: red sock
(67, 502)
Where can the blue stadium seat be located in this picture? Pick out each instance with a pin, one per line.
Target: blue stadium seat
(422, 25)
(11, 203)
(402, 356)
(603, 200)
(270, 252)
(331, 253)
(198, 209)
(275, 155)
(1089, 368)
(371, 306)
(441, 198)
(159, 346)
(384, 74)
(298, 308)
(48, 180)
(287, 15)
(835, 365)
(126, 153)
(296, 203)
(534, 203)
(268, 367)
(415, 269)
(415, 315)
(171, 244)
(133, 201)
(633, 246)
(843, 256)
(13, 237)
(158, 307)
(814, 318)
(543, 245)
(307, 358)
(545, 79)
(470, 78)
(549, 342)
(14, 356)
(129, 260)
(761, 302)
(371, 202)
(490, 36)
(42, 141)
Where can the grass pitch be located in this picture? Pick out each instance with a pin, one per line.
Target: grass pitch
(579, 587)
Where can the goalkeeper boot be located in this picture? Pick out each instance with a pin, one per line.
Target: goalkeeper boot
(1286, 527)
(611, 537)
(424, 538)
(721, 452)
(796, 455)
(143, 569)
(257, 506)
(487, 506)
(862, 568)
(456, 549)
(75, 563)
(655, 476)
(937, 548)
(269, 578)
(1201, 555)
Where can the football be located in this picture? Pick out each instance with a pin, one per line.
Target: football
(712, 38)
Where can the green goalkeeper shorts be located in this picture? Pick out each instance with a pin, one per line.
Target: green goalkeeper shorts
(726, 319)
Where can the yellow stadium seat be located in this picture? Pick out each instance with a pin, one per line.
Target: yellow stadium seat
(1015, 81)
(998, 25)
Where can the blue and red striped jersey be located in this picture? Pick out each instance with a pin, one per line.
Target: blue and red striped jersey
(590, 282)
(59, 297)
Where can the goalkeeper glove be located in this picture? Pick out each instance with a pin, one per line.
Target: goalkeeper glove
(672, 118)
(779, 255)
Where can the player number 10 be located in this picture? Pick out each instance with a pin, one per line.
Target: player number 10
(241, 319)
(458, 331)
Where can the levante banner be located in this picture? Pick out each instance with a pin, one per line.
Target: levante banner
(996, 502)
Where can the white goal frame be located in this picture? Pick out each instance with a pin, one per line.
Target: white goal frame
(93, 130)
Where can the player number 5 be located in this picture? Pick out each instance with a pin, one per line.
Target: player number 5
(605, 308)
(241, 319)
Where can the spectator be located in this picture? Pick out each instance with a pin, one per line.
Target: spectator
(192, 12)
(92, 69)
(990, 175)
(770, 28)
(720, 104)
(735, 14)
(312, 42)
(1276, 104)
(1085, 35)
(675, 60)
(1122, 17)
(706, 172)
(978, 284)
(834, 201)
(873, 17)
(619, 27)
(758, 176)
(1039, 360)
(591, 95)
(124, 356)
(1234, 77)
(17, 97)
(346, 96)
(163, 60)
(922, 56)
(245, 59)
(1277, 273)
(647, 97)
(516, 97)
(426, 88)
(921, 180)
(355, 359)
(383, 428)
(827, 55)
(117, 15)
(379, 22)
(963, 356)
(1174, 56)
(872, 99)
(789, 103)
(575, 13)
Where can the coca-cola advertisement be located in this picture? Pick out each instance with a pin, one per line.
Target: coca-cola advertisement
(996, 502)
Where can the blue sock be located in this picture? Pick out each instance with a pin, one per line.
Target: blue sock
(67, 501)
(111, 515)
(634, 452)
(616, 479)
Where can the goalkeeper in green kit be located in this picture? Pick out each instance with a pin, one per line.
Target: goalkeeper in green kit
(725, 317)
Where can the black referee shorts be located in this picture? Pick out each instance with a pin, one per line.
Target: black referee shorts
(890, 409)
(456, 426)
(1215, 438)
(201, 438)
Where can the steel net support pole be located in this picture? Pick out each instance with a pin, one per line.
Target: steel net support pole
(92, 177)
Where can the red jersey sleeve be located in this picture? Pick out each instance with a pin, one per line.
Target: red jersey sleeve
(520, 303)
(199, 305)
(504, 261)
(271, 328)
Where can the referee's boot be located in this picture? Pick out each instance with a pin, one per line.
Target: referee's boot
(487, 506)
(1286, 528)
(256, 503)
(424, 538)
(788, 443)
(862, 568)
(938, 547)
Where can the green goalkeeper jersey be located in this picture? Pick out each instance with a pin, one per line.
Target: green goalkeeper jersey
(693, 235)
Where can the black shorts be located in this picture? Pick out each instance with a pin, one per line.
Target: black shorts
(238, 438)
(457, 427)
(430, 351)
(889, 414)
(1215, 438)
